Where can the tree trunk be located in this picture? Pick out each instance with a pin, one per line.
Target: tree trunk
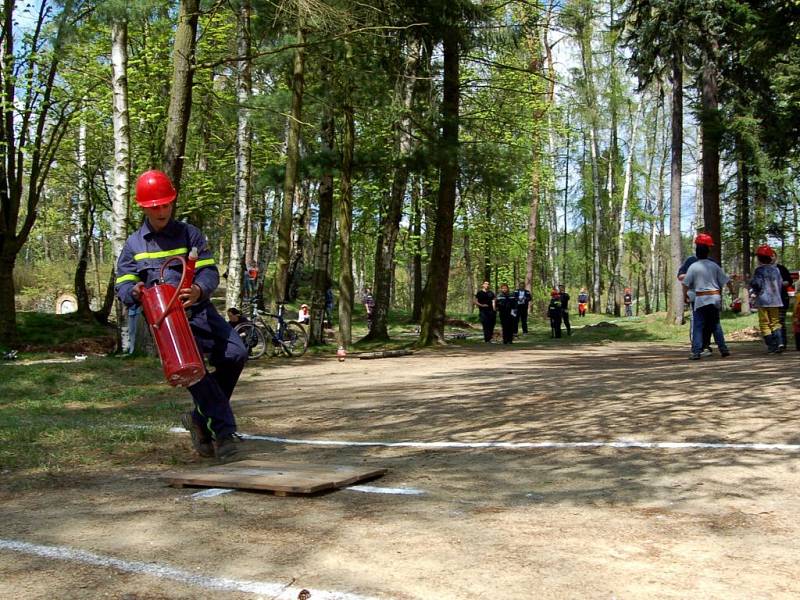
(244, 134)
(675, 314)
(435, 295)
(180, 97)
(292, 163)
(299, 242)
(120, 199)
(416, 309)
(322, 242)
(346, 215)
(468, 261)
(82, 216)
(390, 227)
(616, 282)
(744, 211)
(712, 132)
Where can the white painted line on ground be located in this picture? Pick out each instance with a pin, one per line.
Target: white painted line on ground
(371, 489)
(210, 493)
(273, 590)
(622, 444)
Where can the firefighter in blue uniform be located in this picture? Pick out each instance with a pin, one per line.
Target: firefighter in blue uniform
(211, 423)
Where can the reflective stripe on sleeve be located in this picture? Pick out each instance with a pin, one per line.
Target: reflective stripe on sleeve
(204, 263)
(129, 277)
(162, 254)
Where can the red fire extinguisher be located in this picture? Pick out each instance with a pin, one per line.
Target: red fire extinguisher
(182, 361)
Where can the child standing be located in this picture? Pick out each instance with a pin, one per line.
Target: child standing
(554, 311)
(765, 291)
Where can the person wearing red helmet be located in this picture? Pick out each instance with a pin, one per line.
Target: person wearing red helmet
(555, 311)
(765, 291)
(211, 424)
(702, 285)
(704, 241)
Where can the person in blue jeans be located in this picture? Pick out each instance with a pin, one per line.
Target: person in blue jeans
(705, 280)
(702, 239)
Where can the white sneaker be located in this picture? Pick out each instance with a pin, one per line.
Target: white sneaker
(707, 352)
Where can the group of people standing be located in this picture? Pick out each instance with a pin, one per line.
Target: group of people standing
(512, 308)
(703, 281)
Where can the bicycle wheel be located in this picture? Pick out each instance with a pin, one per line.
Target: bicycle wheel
(273, 345)
(253, 339)
(295, 339)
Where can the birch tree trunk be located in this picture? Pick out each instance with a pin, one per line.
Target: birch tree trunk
(613, 288)
(292, 160)
(120, 199)
(82, 214)
(180, 97)
(244, 133)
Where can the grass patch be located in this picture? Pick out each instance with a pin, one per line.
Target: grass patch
(101, 412)
(37, 331)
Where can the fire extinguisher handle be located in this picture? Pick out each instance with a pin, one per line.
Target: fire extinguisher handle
(177, 290)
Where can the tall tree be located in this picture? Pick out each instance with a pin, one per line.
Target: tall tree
(390, 226)
(292, 163)
(435, 294)
(244, 133)
(180, 97)
(33, 122)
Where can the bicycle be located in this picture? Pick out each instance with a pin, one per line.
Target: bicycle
(259, 337)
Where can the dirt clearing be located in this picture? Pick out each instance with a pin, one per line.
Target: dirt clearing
(487, 522)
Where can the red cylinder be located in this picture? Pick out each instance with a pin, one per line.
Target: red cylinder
(182, 361)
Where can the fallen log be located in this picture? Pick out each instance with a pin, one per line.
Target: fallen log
(383, 354)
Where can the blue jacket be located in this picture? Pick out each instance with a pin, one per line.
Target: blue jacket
(144, 253)
(766, 285)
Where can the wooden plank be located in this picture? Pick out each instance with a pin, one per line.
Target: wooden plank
(276, 476)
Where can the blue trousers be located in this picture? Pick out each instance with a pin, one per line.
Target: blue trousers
(705, 323)
(212, 394)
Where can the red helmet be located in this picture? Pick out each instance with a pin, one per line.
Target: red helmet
(765, 250)
(154, 188)
(555, 293)
(703, 239)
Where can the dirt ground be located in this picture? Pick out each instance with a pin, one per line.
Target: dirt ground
(491, 523)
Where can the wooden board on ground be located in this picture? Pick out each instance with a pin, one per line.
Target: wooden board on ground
(281, 477)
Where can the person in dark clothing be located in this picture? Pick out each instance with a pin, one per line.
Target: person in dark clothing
(583, 302)
(565, 308)
(485, 301)
(506, 303)
(211, 423)
(627, 300)
(555, 313)
(523, 297)
(786, 281)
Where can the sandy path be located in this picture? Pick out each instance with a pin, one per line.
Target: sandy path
(493, 523)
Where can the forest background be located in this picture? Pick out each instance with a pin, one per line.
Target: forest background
(419, 147)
